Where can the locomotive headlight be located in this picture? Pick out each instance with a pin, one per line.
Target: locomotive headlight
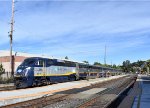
(28, 68)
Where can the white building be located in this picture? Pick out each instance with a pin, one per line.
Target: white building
(18, 58)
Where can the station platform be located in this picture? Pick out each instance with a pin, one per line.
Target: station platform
(20, 95)
(143, 100)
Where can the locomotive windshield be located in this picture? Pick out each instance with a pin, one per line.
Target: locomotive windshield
(28, 62)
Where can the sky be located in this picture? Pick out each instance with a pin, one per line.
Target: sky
(79, 29)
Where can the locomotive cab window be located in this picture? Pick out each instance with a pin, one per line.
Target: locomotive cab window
(28, 62)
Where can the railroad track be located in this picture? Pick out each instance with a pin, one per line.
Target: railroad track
(7, 88)
(64, 99)
(116, 94)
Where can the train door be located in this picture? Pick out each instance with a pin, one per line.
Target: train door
(44, 69)
(77, 71)
(44, 80)
(41, 71)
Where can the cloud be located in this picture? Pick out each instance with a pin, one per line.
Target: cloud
(78, 29)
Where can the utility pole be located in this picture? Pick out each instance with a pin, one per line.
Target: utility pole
(147, 70)
(111, 62)
(105, 56)
(11, 38)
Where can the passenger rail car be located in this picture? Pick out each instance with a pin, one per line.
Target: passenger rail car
(38, 71)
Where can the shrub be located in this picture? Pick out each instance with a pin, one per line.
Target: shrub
(2, 70)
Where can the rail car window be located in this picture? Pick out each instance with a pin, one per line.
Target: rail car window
(50, 62)
(70, 64)
(64, 63)
(83, 66)
(59, 64)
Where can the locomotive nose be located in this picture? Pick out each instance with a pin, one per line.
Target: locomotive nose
(22, 72)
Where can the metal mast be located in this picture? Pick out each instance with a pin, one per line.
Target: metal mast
(11, 38)
(105, 56)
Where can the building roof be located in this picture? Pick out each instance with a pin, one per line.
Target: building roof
(4, 53)
(7, 53)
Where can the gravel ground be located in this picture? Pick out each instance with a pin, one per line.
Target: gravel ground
(72, 101)
(68, 103)
(73, 97)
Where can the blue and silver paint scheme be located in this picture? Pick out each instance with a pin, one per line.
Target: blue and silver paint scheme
(24, 76)
(35, 74)
(38, 71)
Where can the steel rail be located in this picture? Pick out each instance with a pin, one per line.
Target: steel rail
(45, 100)
(92, 100)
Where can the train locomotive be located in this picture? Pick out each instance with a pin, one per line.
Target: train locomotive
(36, 71)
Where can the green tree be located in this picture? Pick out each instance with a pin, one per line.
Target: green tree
(86, 62)
(126, 65)
(148, 60)
(97, 63)
(114, 66)
(2, 70)
(66, 57)
(134, 67)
